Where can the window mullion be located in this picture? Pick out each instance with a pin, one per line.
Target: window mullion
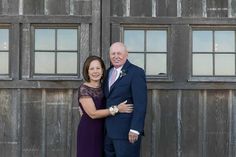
(213, 53)
(56, 50)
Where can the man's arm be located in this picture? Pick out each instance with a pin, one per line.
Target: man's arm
(139, 96)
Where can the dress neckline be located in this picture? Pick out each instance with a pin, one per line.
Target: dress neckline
(91, 86)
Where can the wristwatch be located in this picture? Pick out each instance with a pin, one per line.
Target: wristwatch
(113, 110)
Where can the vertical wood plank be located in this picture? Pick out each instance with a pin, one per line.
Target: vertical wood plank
(154, 8)
(202, 122)
(141, 8)
(15, 51)
(32, 124)
(25, 51)
(118, 8)
(62, 7)
(35, 7)
(9, 7)
(146, 146)
(9, 140)
(156, 114)
(233, 126)
(180, 41)
(44, 118)
(233, 8)
(217, 8)
(69, 101)
(217, 131)
(82, 7)
(191, 8)
(4, 7)
(75, 123)
(168, 124)
(84, 45)
(57, 105)
(190, 124)
(179, 8)
(115, 35)
(167, 8)
(127, 8)
(204, 8)
(72, 7)
(179, 123)
(96, 28)
(106, 27)
(21, 4)
(230, 8)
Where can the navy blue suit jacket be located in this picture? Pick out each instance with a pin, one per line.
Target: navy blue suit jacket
(130, 86)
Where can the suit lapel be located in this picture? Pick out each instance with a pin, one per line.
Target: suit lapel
(106, 83)
(123, 70)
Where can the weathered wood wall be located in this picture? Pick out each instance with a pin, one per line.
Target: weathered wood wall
(185, 118)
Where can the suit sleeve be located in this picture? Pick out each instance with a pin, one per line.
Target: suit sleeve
(139, 95)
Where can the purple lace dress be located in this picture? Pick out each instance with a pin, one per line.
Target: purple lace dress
(90, 135)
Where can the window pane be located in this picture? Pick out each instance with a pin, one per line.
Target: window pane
(224, 41)
(44, 62)
(202, 64)
(67, 39)
(44, 39)
(202, 41)
(156, 64)
(137, 59)
(4, 63)
(67, 63)
(225, 64)
(134, 40)
(156, 41)
(4, 39)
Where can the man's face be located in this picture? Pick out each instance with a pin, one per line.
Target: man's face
(118, 55)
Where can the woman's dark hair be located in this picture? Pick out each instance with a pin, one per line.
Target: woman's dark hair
(87, 64)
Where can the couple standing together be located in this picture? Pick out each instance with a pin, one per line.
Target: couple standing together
(113, 103)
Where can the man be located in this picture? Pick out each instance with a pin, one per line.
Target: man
(124, 81)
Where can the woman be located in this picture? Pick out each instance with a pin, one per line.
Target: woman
(90, 135)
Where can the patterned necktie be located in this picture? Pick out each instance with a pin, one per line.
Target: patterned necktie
(112, 77)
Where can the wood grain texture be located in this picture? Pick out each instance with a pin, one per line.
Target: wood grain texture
(168, 123)
(35, 7)
(9, 141)
(9, 7)
(190, 144)
(82, 7)
(141, 8)
(191, 8)
(217, 132)
(57, 110)
(32, 123)
(217, 8)
(118, 8)
(57, 7)
(167, 8)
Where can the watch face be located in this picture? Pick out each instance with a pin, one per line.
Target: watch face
(116, 109)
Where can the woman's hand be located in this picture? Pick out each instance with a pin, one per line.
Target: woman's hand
(125, 108)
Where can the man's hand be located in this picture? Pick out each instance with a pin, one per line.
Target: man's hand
(133, 137)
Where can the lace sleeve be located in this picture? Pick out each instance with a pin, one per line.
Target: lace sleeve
(83, 91)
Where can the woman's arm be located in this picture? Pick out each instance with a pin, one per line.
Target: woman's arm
(90, 109)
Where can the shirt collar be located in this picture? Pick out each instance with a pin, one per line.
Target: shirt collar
(118, 71)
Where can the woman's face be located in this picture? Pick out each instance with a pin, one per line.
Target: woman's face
(95, 71)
